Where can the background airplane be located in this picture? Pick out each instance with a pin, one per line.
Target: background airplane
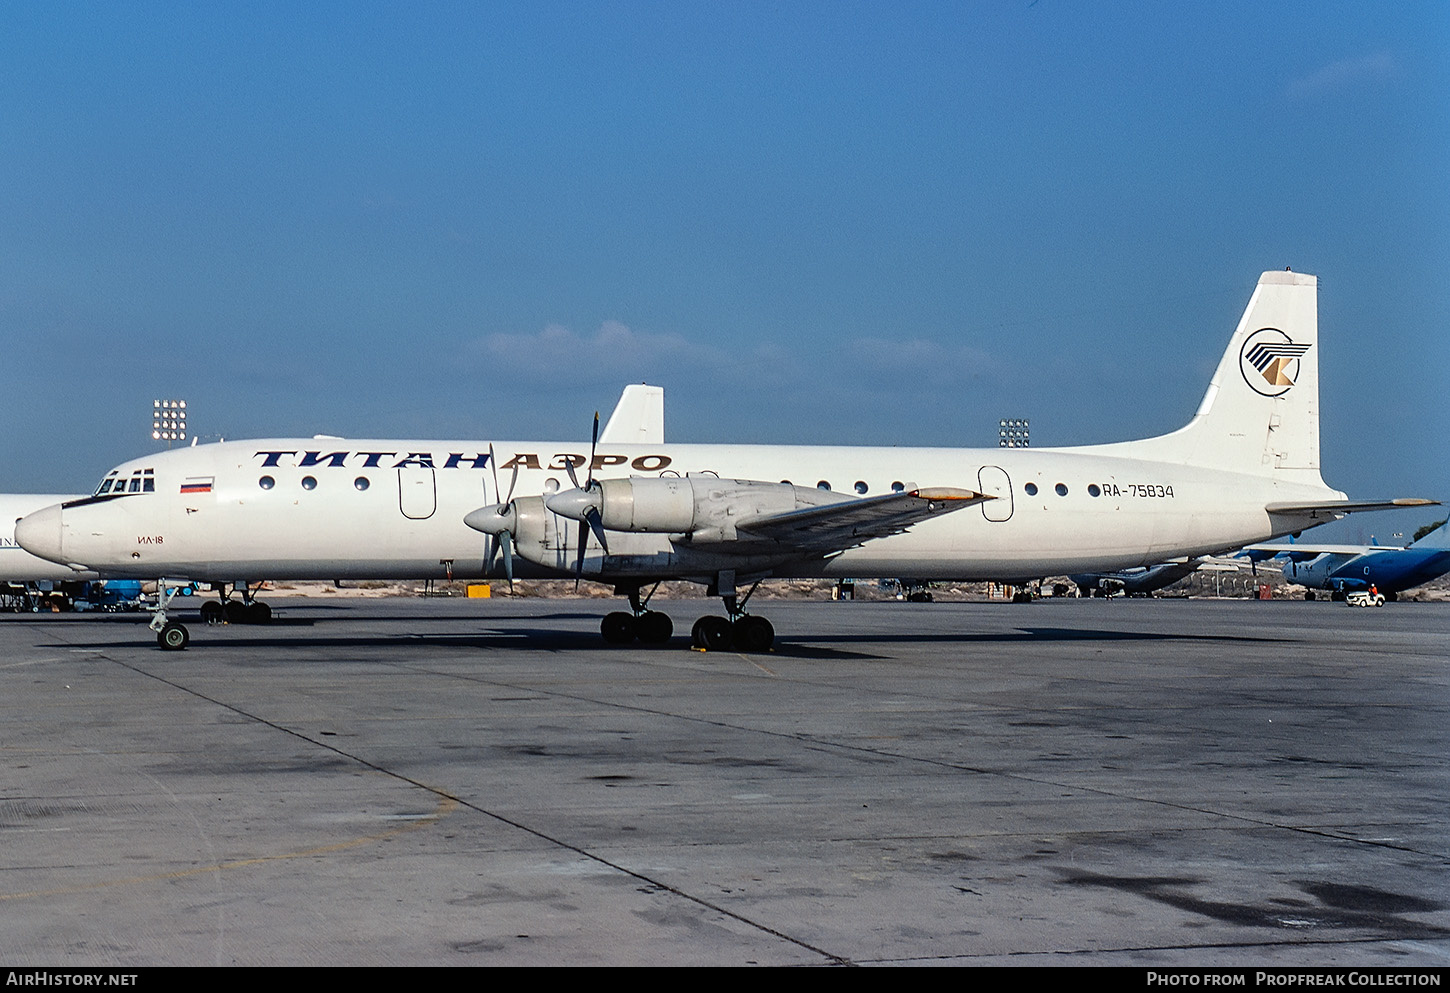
(1142, 580)
(1342, 569)
(26, 580)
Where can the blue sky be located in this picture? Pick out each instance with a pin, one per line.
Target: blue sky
(883, 223)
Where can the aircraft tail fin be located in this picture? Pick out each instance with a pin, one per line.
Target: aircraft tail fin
(1436, 539)
(638, 418)
(1260, 414)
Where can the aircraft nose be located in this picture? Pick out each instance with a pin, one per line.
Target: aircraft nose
(40, 534)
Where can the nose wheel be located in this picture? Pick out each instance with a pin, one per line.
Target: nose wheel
(173, 637)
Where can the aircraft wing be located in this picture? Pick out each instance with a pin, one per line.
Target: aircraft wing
(1328, 508)
(838, 526)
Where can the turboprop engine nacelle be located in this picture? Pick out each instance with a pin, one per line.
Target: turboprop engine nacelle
(528, 524)
(704, 507)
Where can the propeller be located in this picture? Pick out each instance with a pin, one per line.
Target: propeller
(590, 521)
(502, 540)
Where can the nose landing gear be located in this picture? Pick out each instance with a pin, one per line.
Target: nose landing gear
(171, 636)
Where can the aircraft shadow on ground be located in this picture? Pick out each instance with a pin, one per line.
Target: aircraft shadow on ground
(543, 639)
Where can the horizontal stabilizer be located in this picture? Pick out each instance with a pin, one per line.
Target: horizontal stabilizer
(1328, 508)
(1303, 553)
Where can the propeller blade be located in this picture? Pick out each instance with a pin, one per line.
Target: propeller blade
(493, 464)
(506, 544)
(593, 444)
(583, 545)
(513, 481)
(596, 524)
(498, 494)
(591, 520)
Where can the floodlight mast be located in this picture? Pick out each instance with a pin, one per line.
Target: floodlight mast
(168, 421)
(1013, 432)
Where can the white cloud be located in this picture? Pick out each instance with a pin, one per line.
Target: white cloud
(613, 349)
(1343, 75)
(921, 360)
(615, 352)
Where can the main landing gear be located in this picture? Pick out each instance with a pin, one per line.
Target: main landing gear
(651, 627)
(739, 630)
(225, 610)
(713, 633)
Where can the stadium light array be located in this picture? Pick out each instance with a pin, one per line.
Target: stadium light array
(1013, 433)
(168, 420)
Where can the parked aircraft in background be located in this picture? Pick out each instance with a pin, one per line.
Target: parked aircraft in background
(1342, 569)
(1140, 580)
(25, 578)
(1245, 469)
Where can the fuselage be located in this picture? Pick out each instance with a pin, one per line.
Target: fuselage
(355, 509)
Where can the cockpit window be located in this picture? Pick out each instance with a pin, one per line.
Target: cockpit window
(140, 481)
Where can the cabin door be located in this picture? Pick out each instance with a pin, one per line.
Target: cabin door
(992, 480)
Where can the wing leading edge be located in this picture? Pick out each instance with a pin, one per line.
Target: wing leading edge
(838, 526)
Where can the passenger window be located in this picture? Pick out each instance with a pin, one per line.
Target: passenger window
(861, 487)
(266, 482)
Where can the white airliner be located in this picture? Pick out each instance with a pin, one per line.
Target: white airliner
(1245, 469)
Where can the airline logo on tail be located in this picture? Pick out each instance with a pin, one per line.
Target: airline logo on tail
(1269, 361)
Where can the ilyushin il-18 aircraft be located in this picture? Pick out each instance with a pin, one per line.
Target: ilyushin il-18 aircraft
(1245, 469)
